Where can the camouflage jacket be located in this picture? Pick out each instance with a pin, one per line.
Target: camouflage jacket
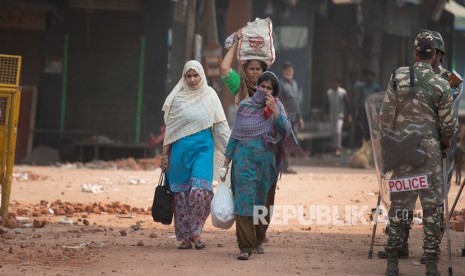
(427, 108)
(443, 72)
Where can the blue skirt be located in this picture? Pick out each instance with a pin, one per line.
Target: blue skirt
(191, 162)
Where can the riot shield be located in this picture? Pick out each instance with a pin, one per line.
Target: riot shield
(373, 107)
(455, 138)
(400, 148)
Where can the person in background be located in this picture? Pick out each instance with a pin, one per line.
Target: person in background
(291, 96)
(338, 103)
(260, 136)
(195, 125)
(242, 85)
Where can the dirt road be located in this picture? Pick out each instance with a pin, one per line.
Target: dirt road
(319, 229)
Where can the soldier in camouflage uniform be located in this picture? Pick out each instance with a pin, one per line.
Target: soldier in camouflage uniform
(440, 48)
(422, 104)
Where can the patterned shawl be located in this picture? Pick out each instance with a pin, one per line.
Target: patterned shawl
(188, 111)
(250, 123)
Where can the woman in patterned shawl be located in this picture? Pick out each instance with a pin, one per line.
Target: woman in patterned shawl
(195, 124)
(260, 135)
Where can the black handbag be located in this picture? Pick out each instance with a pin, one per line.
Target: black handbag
(162, 208)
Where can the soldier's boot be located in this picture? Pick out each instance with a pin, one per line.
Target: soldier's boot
(423, 258)
(432, 265)
(392, 268)
(403, 253)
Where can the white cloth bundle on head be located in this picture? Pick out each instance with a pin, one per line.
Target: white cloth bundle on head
(188, 111)
(257, 42)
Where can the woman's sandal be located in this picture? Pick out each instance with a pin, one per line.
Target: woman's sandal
(259, 249)
(185, 245)
(198, 243)
(243, 256)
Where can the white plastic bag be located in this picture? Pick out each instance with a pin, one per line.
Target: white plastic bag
(257, 42)
(222, 207)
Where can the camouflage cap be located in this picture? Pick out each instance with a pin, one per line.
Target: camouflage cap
(439, 41)
(424, 41)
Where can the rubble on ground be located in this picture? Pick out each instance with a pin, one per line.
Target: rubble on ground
(144, 164)
(20, 214)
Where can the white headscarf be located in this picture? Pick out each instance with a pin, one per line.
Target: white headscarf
(188, 111)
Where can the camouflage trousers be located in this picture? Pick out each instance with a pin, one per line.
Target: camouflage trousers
(402, 202)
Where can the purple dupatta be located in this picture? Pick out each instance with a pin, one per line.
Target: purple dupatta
(250, 123)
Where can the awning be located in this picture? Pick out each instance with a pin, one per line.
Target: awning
(459, 13)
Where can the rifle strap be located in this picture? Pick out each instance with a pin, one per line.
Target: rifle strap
(422, 84)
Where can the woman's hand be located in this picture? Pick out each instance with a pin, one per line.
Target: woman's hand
(237, 35)
(224, 170)
(164, 165)
(271, 104)
(165, 153)
(228, 58)
(223, 173)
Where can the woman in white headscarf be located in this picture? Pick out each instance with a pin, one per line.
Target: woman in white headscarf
(195, 125)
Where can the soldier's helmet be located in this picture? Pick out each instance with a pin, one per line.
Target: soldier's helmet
(439, 41)
(424, 41)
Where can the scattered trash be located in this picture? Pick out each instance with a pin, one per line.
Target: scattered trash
(17, 230)
(137, 181)
(415, 263)
(371, 194)
(417, 221)
(69, 166)
(22, 219)
(66, 221)
(80, 246)
(95, 189)
(126, 216)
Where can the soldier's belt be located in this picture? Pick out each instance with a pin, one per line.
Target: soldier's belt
(405, 184)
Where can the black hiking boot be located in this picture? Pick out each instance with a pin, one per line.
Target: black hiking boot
(423, 258)
(403, 253)
(392, 268)
(432, 265)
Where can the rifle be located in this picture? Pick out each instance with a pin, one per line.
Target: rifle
(454, 79)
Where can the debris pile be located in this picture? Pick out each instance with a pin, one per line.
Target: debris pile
(19, 214)
(27, 176)
(145, 164)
